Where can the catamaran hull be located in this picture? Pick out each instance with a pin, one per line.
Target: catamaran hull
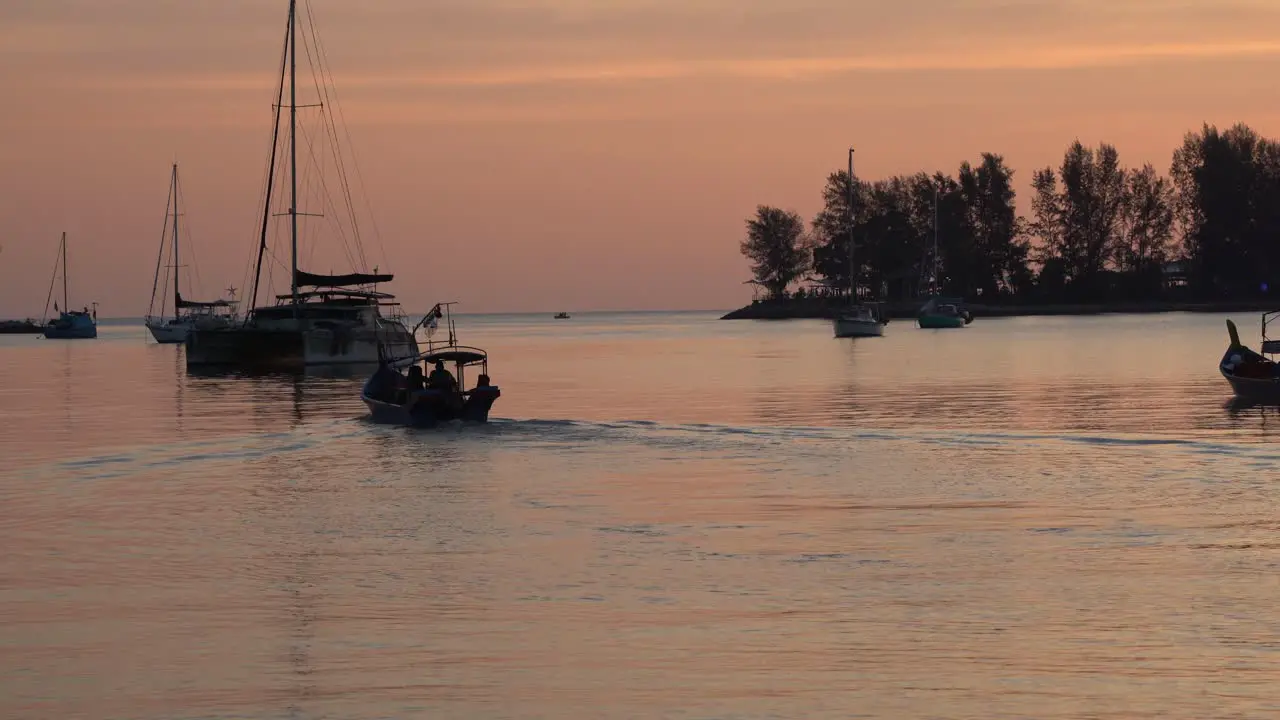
(857, 327)
(290, 350)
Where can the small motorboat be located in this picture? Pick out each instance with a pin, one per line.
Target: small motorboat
(1254, 377)
(409, 392)
(859, 321)
(562, 316)
(940, 312)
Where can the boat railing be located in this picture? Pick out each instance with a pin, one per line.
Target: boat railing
(1269, 346)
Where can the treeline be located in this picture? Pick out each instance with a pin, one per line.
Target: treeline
(1099, 231)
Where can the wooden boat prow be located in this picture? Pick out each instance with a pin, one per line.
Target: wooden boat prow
(1253, 376)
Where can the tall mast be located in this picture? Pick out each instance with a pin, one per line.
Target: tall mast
(64, 273)
(937, 282)
(853, 274)
(271, 170)
(293, 151)
(176, 295)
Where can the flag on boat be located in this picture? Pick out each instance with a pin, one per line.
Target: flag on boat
(430, 321)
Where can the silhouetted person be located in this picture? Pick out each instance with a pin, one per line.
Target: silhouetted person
(414, 380)
(441, 378)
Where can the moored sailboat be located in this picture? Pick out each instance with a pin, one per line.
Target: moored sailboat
(939, 312)
(858, 320)
(210, 315)
(70, 324)
(324, 319)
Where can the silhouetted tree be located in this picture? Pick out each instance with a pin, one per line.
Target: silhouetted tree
(831, 228)
(775, 248)
(999, 247)
(1228, 202)
(1077, 214)
(1100, 228)
(1146, 230)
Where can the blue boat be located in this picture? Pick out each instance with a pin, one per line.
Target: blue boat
(74, 325)
(70, 324)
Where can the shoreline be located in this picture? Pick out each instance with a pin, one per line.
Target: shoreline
(821, 310)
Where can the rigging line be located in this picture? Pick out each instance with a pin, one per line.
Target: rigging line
(327, 202)
(193, 274)
(355, 161)
(155, 284)
(52, 281)
(335, 149)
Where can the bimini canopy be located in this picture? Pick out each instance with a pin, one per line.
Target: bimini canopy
(197, 304)
(304, 278)
(455, 354)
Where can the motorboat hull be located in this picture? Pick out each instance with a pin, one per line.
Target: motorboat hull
(846, 327)
(940, 322)
(72, 326)
(1253, 378)
(272, 349)
(431, 407)
(71, 333)
(1264, 391)
(176, 331)
(168, 333)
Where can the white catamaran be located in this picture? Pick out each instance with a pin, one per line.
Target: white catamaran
(324, 319)
(187, 314)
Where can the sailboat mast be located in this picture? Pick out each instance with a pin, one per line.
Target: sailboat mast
(293, 150)
(65, 308)
(853, 275)
(176, 294)
(937, 283)
(271, 170)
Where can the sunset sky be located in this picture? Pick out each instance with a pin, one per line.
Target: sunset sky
(572, 154)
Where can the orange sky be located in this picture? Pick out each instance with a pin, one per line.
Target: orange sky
(573, 154)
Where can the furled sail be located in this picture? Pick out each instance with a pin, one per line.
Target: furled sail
(305, 278)
(197, 304)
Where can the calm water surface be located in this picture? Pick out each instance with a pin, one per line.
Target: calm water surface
(672, 516)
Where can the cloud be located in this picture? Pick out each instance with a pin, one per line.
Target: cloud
(745, 68)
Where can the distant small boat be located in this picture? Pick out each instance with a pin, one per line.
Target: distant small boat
(20, 327)
(205, 315)
(70, 324)
(421, 397)
(562, 316)
(1254, 377)
(941, 312)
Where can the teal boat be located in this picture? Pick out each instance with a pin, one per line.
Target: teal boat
(940, 312)
(70, 324)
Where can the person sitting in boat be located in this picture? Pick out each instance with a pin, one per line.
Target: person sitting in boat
(411, 381)
(440, 378)
(414, 380)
